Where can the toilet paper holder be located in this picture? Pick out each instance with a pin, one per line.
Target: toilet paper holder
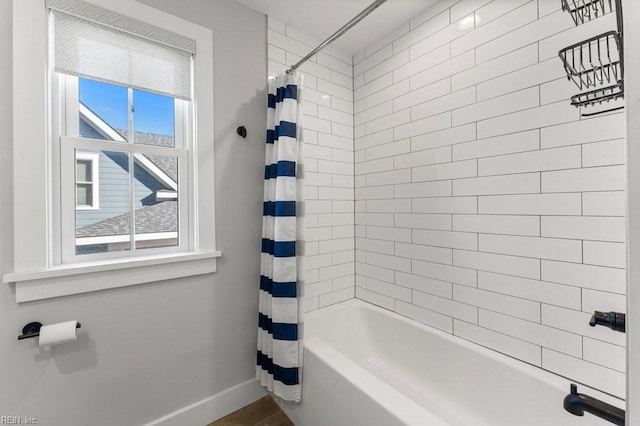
(33, 330)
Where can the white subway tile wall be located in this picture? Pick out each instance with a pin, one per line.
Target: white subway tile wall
(329, 153)
(486, 206)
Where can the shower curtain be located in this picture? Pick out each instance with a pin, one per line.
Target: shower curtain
(279, 355)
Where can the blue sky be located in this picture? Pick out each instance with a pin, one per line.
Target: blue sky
(153, 113)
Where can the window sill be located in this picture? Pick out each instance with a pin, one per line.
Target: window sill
(66, 280)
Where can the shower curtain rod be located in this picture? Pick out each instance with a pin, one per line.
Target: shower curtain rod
(346, 27)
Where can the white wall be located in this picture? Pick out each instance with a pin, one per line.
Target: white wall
(485, 205)
(632, 88)
(148, 350)
(328, 135)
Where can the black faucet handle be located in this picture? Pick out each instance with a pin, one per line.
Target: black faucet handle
(574, 389)
(613, 320)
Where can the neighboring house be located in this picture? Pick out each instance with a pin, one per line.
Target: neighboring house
(103, 194)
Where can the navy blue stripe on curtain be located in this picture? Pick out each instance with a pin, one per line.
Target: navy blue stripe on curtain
(279, 208)
(271, 135)
(278, 289)
(289, 92)
(279, 248)
(288, 376)
(285, 128)
(281, 168)
(279, 330)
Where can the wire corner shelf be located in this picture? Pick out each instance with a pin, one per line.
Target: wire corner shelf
(593, 62)
(595, 65)
(583, 11)
(598, 96)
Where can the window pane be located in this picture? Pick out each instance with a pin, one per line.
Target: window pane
(103, 110)
(156, 214)
(83, 170)
(85, 165)
(107, 228)
(84, 194)
(154, 119)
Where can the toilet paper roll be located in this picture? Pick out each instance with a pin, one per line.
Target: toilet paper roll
(58, 333)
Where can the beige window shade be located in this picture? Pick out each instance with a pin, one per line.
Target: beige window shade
(97, 43)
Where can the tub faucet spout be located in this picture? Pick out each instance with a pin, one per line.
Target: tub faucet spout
(613, 320)
(577, 403)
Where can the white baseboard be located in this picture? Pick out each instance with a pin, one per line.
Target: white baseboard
(214, 407)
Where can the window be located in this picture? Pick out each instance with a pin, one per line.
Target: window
(139, 139)
(127, 100)
(87, 181)
(120, 192)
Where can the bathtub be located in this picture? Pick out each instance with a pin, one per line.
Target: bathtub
(367, 366)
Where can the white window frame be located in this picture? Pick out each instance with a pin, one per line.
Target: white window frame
(38, 271)
(94, 161)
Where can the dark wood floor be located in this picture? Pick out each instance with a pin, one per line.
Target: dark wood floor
(263, 412)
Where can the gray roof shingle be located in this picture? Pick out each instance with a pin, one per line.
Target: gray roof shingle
(169, 165)
(160, 217)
